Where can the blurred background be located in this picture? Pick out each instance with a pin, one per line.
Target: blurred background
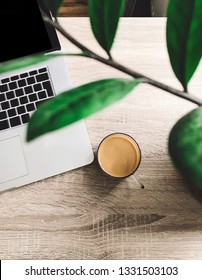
(133, 8)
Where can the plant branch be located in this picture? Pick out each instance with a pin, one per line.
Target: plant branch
(112, 63)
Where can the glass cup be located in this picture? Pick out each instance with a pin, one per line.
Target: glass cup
(119, 155)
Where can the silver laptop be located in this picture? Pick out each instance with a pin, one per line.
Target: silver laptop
(23, 91)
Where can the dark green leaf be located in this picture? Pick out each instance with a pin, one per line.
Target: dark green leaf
(77, 104)
(104, 17)
(53, 5)
(185, 147)
(184, 37)
(24, 62)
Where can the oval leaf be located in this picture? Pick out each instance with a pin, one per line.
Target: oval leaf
(53, 5)
(24, 62)
(185, 147)
(77, 104)
(184, 37)
(104, 17)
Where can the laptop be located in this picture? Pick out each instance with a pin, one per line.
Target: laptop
(23, 32)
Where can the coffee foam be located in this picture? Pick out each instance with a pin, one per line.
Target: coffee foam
(119, 155)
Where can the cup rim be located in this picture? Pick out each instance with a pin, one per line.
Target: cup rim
(138, 146)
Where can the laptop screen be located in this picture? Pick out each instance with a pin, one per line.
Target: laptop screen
(23, 31)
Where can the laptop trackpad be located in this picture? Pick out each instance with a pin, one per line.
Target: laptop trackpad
(12, 161)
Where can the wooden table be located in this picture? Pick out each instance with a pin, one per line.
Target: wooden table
(72, 8)
(83, 214)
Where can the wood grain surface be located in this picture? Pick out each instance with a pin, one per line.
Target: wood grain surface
(83, 214)
(73, 8)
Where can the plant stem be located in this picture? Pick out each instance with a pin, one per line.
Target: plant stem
(148, 80)
(112, 63)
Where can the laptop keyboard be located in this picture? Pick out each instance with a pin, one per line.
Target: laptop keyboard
(22, 94)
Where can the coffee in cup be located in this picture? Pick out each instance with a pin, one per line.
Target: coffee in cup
(119, 155)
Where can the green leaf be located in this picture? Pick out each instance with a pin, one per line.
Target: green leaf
(104, 17)
(24, 62)
(184, 37)
(76, 104)
(185, 147)
(53, 5)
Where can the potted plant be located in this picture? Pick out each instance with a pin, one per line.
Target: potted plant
(184, 45)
